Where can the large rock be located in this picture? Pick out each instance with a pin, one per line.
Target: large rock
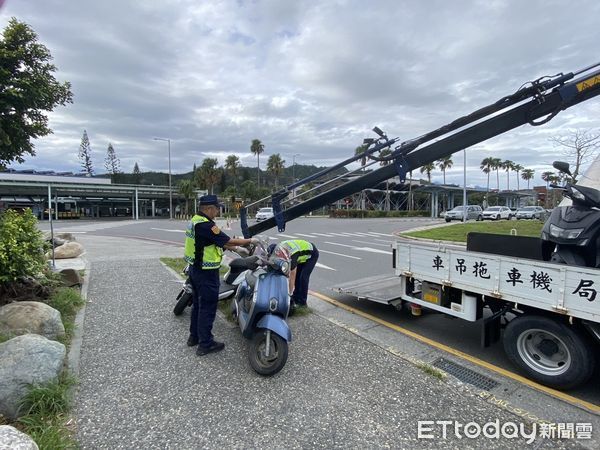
(31, 317)
(26, 360)
(68, 250)
(13, 439)
(70, 277)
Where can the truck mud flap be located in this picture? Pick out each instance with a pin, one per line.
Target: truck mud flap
(379, 288)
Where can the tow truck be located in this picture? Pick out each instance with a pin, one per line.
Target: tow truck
(550, 331)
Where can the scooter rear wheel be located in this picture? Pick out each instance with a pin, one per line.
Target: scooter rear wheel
(184, 300)
(278, 353)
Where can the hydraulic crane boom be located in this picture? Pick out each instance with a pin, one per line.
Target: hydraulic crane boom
(536, 104)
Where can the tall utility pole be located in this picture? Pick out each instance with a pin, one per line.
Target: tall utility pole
(170, 188)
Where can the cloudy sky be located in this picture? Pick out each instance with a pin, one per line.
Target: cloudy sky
(305, 77)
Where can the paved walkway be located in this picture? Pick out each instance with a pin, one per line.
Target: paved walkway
(140, 386)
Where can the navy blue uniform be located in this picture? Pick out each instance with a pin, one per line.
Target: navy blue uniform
(206, 284)
(303, 275)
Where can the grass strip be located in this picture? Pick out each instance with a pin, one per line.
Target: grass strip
(459, 231)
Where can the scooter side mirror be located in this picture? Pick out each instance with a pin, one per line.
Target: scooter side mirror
(562, 166)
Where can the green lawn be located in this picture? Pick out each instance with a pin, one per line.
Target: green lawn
(459, 231)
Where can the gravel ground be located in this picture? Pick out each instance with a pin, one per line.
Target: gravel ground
(140, 386)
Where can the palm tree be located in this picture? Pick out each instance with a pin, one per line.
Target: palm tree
(428, 168)
(547, 177)
(486, 166)
(496, 165)
(275, 165)
(507, 165)
(256, 148)
(517, 168)
(186, 188)
(527, 174)
(361, 149)
(444, 164)
(232, 164)
(209, 173)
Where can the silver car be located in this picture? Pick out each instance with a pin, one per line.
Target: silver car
(531, 212)
(264, 214)
(497, 213)
(457, 213)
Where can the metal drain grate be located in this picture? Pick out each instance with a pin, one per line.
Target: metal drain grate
(465, 375)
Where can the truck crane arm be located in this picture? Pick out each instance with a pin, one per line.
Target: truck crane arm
(535, 103)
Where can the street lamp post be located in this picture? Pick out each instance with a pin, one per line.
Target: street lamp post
(464, 185)
(170, 189)
(294, 167)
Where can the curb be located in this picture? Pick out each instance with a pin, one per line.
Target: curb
(75, 348)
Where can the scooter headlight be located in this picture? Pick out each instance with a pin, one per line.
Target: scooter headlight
(284, 267)
(561, 233)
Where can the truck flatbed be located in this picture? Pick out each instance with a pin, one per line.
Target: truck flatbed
(379, 288)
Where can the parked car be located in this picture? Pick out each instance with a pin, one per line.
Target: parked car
(264, 214)
(497, 213)
(531, 212)
(457, 213)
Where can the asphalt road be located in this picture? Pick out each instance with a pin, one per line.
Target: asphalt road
(349, 249)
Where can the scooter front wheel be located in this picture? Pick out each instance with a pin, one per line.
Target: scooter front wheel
(268, 352)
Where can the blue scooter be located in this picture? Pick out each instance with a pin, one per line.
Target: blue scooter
(261, 306)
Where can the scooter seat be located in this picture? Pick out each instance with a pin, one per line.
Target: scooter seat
(250, 262)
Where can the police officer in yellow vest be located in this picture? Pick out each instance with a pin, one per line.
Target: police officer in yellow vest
(303, 257)
(204, 243)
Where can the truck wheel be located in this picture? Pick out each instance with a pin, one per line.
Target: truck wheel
(549, 351)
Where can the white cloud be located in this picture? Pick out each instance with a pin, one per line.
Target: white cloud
(304, 77)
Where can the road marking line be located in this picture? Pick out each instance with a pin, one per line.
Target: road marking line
(499, 370)
(305, 235)
(142, 238)
(323, 234)
(383, 240)
(339, 254)
(287, 236)
(323, 266)
(166, 229)
(371, 243)
(363, 249)
(72, 232)
(380, 234)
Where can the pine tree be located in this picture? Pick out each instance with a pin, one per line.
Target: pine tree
(85, 155)
(136, 173)
(111, 162)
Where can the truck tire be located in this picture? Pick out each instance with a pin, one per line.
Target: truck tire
(549, 351)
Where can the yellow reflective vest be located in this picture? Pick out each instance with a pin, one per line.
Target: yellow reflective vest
(212, 254)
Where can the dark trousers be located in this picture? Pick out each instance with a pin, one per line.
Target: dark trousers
(303, 272)
(204, 309)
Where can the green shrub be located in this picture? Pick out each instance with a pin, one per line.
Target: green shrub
(21, 246)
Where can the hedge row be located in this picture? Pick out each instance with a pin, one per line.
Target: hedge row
(360, 214)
